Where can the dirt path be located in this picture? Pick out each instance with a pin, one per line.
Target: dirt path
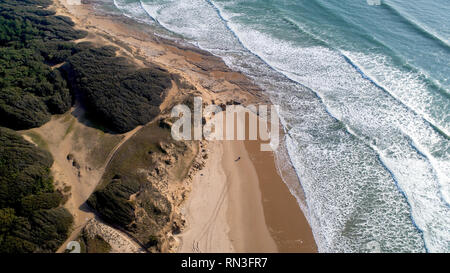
(81, 211)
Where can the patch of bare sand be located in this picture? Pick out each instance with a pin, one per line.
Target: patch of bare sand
(206, 209)
(81, 154)
(284, 218)
(225, 211)
(239, 203)
(248, 229)
(210, 77)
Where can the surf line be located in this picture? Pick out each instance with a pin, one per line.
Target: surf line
(372, 81)
(226, 22)
(347, 129)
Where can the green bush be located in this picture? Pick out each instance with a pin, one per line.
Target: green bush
(24, 169)
(112, 202)
(31, 40)
(30, 217)
(30, 91)
(114, 91)
(94, 245)
(23, 21)
(40, 201)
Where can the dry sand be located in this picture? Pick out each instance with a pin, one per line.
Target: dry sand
(206, 209)
(248, 229)
(243, 206)
(224, 212)
(239, 203)
(234, 206)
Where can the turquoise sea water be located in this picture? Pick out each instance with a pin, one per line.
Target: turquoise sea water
(364, 92)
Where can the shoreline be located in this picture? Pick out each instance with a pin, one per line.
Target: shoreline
(284, 217)
(272, 220)
(243, 206)
(240, 203)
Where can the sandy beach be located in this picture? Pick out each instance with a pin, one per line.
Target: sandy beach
(233, 205)
(243, 206)
(284, 218)
(218, 126)
(239, 203)
(224, 212)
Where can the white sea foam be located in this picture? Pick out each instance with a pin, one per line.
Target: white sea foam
(356, 171)
(378, 120)
(133, 10)
(194, 20)
(407, 87)
(420, 25)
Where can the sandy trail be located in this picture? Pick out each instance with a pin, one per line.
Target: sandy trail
(81, 211)
(228, 209)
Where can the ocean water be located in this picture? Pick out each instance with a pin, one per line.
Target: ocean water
(364, 95)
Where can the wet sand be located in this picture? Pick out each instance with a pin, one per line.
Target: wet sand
(234, 206)
(284, 218)
(240, 203)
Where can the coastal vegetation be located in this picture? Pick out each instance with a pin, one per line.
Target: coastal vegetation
(125, 198)
(31, 219)
(43, 72)
(133, 191)
(112, 202)
(34, 43)
(115, 91)
(32, 39)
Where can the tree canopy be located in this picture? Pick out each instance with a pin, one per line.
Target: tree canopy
(33, 39)
(116, 92)
(31, 219)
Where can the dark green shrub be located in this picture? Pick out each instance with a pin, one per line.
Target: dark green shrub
(30, 217)
(115, 92)
(112, 202)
